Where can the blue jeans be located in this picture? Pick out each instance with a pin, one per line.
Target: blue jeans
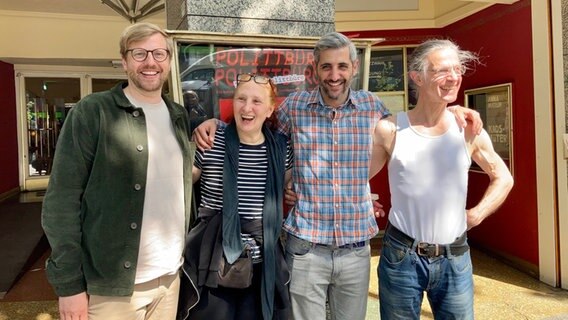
(404, 276)
(340, 275)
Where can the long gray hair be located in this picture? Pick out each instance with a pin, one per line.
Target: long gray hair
(418, 60)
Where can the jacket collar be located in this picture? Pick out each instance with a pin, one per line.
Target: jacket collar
(123, 102)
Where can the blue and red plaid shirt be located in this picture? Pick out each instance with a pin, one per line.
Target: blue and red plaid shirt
(332, 149)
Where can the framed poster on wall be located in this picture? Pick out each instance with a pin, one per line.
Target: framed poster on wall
(494, 105)
(386, 71)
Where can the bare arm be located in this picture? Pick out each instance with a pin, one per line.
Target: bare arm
(463, 115)
(383, 142)
(500, 179)
(204, 134)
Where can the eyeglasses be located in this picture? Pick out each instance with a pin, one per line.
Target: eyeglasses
(139, 54)
(445, 72)
(260, 79)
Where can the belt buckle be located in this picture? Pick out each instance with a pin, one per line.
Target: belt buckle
(425, 249)
(353, 245)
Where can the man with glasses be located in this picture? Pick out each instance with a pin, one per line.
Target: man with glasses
(330, 225)
(117, 207)
(425, 244)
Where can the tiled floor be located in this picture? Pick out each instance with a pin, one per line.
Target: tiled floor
(501, 292)
(31, 298)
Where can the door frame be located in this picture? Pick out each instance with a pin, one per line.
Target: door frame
(559, 84)
(550, 127)
(21, 72)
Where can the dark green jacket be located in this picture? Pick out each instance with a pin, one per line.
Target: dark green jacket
(92, 211)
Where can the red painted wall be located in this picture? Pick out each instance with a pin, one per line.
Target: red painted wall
(8, 131)
(501, 34)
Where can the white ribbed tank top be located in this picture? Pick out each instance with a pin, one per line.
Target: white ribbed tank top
(428, 182)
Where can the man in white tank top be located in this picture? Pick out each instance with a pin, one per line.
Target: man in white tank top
(425, 245)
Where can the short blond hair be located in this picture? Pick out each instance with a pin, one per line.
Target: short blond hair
(140, 31)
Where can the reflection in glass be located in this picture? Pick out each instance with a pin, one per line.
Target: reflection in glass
(210, 72)
(104, 84)
(494, 104)
(48, 100)
(386, 72)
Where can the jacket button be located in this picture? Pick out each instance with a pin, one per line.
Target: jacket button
(133, 226)
(137, 187)
(136, 113)
(127, 265)
(139, 147)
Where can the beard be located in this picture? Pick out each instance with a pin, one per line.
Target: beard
(144, 84)
(334, 95)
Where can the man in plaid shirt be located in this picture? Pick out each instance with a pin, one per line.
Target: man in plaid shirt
(332, 221)
(329, 227)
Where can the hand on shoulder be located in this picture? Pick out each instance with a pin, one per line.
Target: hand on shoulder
(467, 117)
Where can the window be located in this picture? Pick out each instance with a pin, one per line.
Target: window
(208, 73)
(45, 96)
(387, 77)
(494, 105)
(47, 102)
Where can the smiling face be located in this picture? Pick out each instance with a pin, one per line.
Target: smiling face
(441, 82)
(253, 103)
(147, 76)
(335, 72)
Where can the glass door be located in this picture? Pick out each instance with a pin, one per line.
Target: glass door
(102, 84)
(45, 102)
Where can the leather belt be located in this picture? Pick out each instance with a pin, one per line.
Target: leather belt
(359, 244)
(353, 245)
(430, 250)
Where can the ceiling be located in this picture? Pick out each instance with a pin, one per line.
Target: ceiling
(350, 15)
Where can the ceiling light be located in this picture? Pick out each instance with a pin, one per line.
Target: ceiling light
(138, 11)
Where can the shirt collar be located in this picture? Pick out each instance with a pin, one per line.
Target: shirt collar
(316, 98)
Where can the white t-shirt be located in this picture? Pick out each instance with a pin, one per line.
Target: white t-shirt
(163, 222)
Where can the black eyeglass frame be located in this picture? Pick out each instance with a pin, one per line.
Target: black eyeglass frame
(147, 52)
(258, 78)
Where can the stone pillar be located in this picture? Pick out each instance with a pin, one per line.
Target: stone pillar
(289, 18)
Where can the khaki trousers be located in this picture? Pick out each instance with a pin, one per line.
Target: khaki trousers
(153, 300)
